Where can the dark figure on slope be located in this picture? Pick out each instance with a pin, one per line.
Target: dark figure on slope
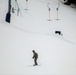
(35, 57)
(58, 32)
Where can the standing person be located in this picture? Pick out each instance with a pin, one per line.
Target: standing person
(35, 57)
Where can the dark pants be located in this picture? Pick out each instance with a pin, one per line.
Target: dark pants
(35, 61)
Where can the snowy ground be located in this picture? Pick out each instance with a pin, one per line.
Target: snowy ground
(32, 30)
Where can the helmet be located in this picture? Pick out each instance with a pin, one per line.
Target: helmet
(33, 50)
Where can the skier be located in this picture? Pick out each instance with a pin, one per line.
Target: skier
(35, 57)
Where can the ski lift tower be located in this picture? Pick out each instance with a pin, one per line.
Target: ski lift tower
(8, 15)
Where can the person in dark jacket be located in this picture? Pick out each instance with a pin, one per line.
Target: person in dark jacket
(35, 57)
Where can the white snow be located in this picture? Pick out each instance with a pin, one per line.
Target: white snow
(32, 31)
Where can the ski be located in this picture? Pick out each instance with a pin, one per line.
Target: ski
(33, 65)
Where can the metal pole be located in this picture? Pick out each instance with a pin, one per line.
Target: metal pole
(26, 4)
(57, 14)
(58, 11)
(9, 6)
(49, 12)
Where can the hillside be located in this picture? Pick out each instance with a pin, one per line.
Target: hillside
(31, 30)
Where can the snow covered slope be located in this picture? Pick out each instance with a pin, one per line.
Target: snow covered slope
(32, 30)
